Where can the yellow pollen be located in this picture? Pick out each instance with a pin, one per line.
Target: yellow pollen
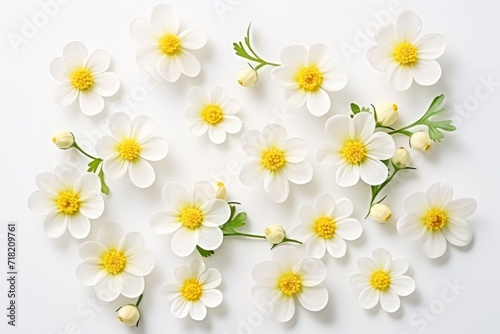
(273, 159)
(191, 290)
(380, 280)
(220, 184)
(68, 202)
(354, 152)
(114, 262)
(170, 45)
(290, 283)
(435, 219)
(82, 79)
(129, 149)
(191, 217)
(309, 78)
(394, 107)
(406, 54)
(212, 114)
(324, 227)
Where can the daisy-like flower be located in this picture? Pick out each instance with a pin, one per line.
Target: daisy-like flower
(435, 217)
(306, 77)
(326, 225)
(382, 279)
(194, 216)
(69, 200)
(163, 49)
(356, 149)
(213, 113)
(84, 78)
(275, 159)
(194, 290)
(287, 277)
(115, 264)
(404, 55)
(130, 149)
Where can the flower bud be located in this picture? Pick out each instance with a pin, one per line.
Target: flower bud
(275, 234)
(420, 141)
(221, 192)
(247, 77)
(129, 315)
(63, 139)
(387, 113)
(401, 158)
(380, 213)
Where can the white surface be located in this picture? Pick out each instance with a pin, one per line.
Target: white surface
(50, 298)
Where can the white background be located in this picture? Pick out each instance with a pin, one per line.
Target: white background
(51, 300)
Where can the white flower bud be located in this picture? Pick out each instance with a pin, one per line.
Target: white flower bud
(129, 315)
(401, 158)
(387, 113)
(63, 139)
(380, 213)
(275, 234)
(247, 77)
(420, 141)
(221, 192)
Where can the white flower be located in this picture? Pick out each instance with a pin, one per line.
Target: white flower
(326, 225)
(421, 141)
(63, 139)
(194, 216)
(193, 291)
(404, 55)
(356, 149)
(247, 77)
(115, 264)
(275, 159)
(84, 78)
(274, 233)
(382, 278)
(129, 315)
(380, 213)
(286, 278)
(387, 113)
(434, 218)
(401, 158)
(130, 149)
(163, 48)
(68, 199)
(213, 113)
(306, 77)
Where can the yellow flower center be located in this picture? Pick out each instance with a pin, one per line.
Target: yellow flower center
(191, 290)
(309, 78)
(354, 151)
(435, 219)
(324, 227)
(380, 280)
(67, 202)
(114, 262)
(290, 283)
(406, 54)
(170, 45)
(273, 159)
(212, 114)
(191, 217)
(82, 79)
(129, 149)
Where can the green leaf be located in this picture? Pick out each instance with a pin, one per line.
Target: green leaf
(204, 252)
(355, 108)
(436, 127)
(104, 186)
(93, 165)
(232, 223)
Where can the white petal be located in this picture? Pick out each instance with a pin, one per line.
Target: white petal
(389, 301)
(141, 173)
(276, 186)
(285, 309)
(402, 285)
(131, 240)
(55, 224)
(359, 281)
(382, 259)
(327, 155)
(461, 207)
(400, 77)
(176, 196)
(197, 311)
(325, 204)
(295, 97)
(343, 209)
(89, 272)
(336, 247)
(79, 226)
(133, 286)
(182, 273)
(140, 262)
(408, 26)
(193, 38)
(349, 229)
(252, 143)
(266, 273)
(148, 58)
(76, 53)
(295, 149)
(98, 61)
(196, 268)
(307, 214)
(154, 148)
(294, 56)
(367, 265)
(204, 194)
(373, 172)
(65, 94)
(313, 298)
(211, 278)
(230, 107)
(165, 222)
(180, 308)
(380, 146)
(120, 125)
(334, 80)
(210, 238)
(318, 102)
(48, 183)
(106, 84)
(284, 76)
(369, 298)
(303, 232)
(218, 214)
(298, 173)
(60, 69)
(416, 203)
(165, 20)
(251, 172)
(168, 69)
(347, 175)
(232, 124)
(337, 128)
(410, 226)
(109, 288)
(110, 235)
(318, 55)
(170, 290)
(91, 103)
(316, 247)
(216, 134)
(115, 167)
(188, 64)
(380, 57)
(386, 35)
(440, 193)
(426, 72)
(431, 46)
(362, 126)
(275, 135)
(433, 244)
(67, 175)
(211, 298)
(288, 256)
(93, 207)
(184, 242)
(142, 128)
(457, 232)
(399, 267)
(141, 33)
(41, 203)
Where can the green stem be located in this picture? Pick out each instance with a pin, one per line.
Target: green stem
(75, 145)
(235, 234)
(139, 300)
(378, 189)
